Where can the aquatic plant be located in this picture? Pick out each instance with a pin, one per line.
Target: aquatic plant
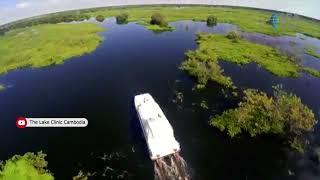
(45, 45)
(311, 50)
(205, 71)
(202, 63)
(156, 28)
(100, 18)
(179, 97)
(212, 21)
(284, 114)
(81, 176)
(312, 71)
(204, 104)
(2, 87)
(122, 18)
(28, 166)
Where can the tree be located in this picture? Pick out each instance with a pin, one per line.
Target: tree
(29, 166)
(122, 18)
(100, 18)
(158, 19)
(212, 21)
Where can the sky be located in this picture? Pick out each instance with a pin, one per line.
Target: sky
(11, 10)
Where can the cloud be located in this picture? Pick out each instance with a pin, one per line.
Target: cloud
(27, 8)
(22, 5)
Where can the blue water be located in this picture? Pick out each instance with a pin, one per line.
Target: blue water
(101, 85)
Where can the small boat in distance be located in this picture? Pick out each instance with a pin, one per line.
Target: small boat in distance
(156, 128)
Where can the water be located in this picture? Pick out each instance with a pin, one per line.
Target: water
(100, 86)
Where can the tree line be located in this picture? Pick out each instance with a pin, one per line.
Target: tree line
(54, 18)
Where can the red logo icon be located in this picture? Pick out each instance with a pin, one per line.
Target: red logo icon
(21, 122)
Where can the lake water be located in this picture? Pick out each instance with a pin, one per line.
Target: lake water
(132, 60)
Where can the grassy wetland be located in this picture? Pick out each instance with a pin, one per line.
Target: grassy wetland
(47, 44)
(212, 48)
(248, 20)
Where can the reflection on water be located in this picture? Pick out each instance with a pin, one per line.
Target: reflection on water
(100, 86)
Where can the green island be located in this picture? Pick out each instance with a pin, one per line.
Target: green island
(157, 28)
(46, 44)
(212, 48)
(312, 52)
(29, 166)
(284, 115)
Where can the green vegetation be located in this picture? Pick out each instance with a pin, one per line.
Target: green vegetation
(212, 21)
(100, 18)
(204, 104)
(283, 114)
(81, 176)
(311, 50)
(249, 20)
(158, 23)
(312, 71)
(29, 166)
(45, 45)
(122, 18)
(2, 87)
(203, 62)
(234, 36)
(205, 71)
(156, 28)
(178, 97)
(67, 16)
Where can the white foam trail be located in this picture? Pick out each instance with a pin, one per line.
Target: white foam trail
(172, 167)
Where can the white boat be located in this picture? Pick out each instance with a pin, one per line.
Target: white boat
(156, 128)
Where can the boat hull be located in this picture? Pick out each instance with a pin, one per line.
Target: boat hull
(156, 128)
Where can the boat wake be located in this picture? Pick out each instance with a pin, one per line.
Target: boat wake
(172, 167)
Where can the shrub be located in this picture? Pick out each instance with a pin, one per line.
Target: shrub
(205, 71)
(100, 18)
(283, 114)
(122, 18)
(234, 36)
(158, 19)
(28, 166)
(212, 21)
